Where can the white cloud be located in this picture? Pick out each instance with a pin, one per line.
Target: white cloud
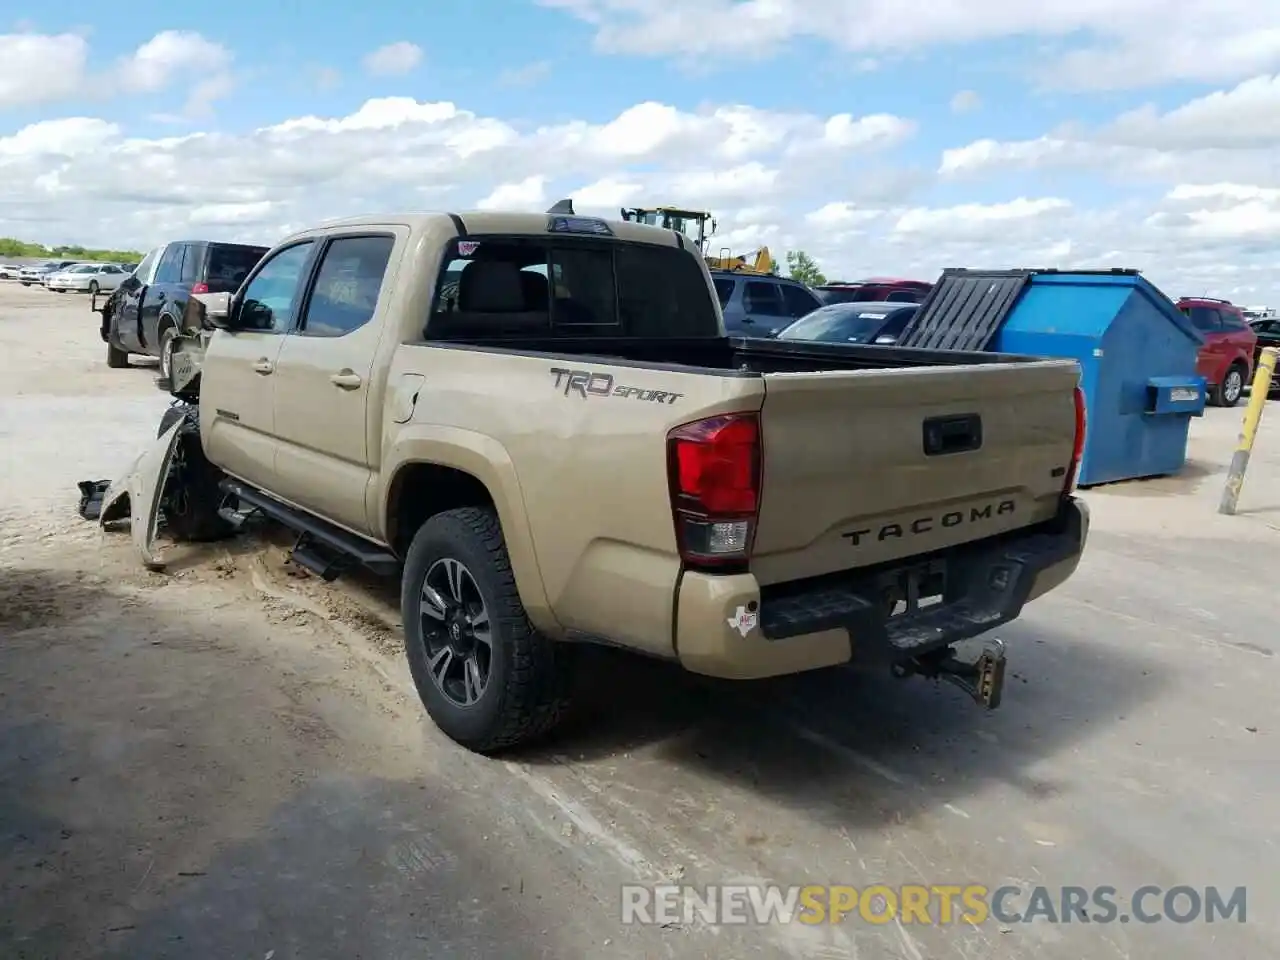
(1232, 134)
(787, 180)
(1099, 44)
(526, 76)
(37, 69)
(965, 101)
(527, 194)
(395, 59)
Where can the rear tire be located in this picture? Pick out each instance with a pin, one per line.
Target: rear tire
(166, 352)
(526, 685)
(1227, 393)
(117, 358)
(191, 506)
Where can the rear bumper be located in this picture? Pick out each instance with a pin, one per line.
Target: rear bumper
(729, 627)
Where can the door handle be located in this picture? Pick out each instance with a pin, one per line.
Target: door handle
(263, 366)
(346, 380)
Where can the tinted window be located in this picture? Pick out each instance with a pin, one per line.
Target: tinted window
(845, 295)
(530, 286)
(347, 285)
(271, 297)
(724, 290)
(170, 268)
(798, 300)
(896, 323)
(903, 296)
(191, 263)
(1232, 320)
(764, 299)
(1204, 319)
(837, 323)
(229, 264)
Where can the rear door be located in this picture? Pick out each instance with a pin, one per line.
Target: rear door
(867, 466)
(798, 301)
(763, 307)
(1240, 338)
(323, 379)
(237, 385)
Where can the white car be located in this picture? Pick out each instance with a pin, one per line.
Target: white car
(9, 271)
(87, 278)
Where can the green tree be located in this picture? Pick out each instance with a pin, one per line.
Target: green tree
(802, 267)
(9, 247)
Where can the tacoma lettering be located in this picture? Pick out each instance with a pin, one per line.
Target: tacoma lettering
(952, 518)
(588, 383)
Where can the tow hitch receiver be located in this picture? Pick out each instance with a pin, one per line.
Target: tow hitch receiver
(983, 679)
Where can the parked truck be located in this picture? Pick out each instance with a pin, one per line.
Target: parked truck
(538, 424)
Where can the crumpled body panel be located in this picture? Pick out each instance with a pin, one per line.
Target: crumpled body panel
(138, 494)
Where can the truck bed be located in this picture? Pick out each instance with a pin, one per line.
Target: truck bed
(740, 354)
(869, 454)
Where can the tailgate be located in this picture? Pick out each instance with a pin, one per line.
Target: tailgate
(867, 466)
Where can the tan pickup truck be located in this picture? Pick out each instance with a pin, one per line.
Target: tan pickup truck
(537, 422)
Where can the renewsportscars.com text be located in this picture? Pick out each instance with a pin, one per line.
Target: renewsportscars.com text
(931, 905)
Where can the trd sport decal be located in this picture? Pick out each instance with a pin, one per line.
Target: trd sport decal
(589, 383)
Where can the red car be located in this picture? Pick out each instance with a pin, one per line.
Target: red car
(875, 288)
(1226, 358)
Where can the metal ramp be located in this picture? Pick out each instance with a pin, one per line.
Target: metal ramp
(965, 309)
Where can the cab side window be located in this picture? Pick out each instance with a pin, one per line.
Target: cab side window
(273, 295)
(347, 285)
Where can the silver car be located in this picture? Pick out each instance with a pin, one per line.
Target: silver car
(42, 271)
(87, 278)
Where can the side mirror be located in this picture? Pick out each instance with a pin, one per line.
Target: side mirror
(219, 310)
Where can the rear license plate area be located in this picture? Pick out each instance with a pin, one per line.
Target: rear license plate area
(911, 590)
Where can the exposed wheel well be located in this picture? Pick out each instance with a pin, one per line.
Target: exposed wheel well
(420, 491)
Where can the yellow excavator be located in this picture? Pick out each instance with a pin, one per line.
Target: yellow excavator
(693, 224)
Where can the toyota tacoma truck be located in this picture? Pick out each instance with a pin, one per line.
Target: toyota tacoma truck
(537, 422)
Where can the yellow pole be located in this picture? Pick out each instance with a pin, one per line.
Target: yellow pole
(1249, 430)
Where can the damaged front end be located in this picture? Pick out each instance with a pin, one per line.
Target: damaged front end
(137, 496)
(170, 485)
(186, 350)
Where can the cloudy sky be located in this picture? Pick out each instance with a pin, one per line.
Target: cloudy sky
(980, 133)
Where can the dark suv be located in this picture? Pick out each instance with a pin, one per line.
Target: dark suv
(759, 305)
(144, 312)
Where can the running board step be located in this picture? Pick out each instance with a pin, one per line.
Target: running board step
(314, 533)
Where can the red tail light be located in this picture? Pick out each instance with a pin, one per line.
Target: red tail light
(1077, 453)
(714, 476)
(199, 288)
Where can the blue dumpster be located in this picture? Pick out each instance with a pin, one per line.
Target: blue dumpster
(1137, 354)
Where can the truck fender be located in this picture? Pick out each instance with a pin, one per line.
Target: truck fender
(485, 459)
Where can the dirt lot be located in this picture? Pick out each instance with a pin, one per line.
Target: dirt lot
(226, 760)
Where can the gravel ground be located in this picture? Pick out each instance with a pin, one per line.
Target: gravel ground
(228, 760)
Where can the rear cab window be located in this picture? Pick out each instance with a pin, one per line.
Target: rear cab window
(492, 287)
(724, 291)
